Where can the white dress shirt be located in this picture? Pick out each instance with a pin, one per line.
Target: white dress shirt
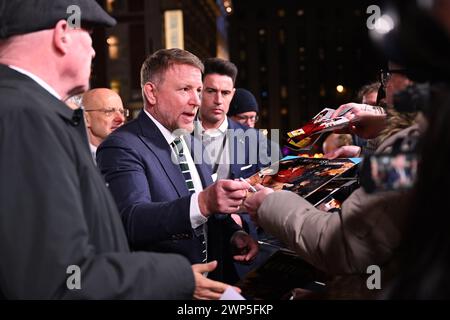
(93, 150)
(38, 80)
(218, 152)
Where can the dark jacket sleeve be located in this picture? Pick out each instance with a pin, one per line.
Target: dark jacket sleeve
(268, 150)
(44, 228)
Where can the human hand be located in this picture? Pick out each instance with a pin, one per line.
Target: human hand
(253, 202)
(224, 196)
(245, 246)
(366, 121)
(344, 152)
(368, 126)
(350, 110)
(237, 218)
(207, 289)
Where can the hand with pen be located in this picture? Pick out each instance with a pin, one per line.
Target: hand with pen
(253, 202)
(366, 121)
(223, 196)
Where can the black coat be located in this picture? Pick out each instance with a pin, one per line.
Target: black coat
(55, 210)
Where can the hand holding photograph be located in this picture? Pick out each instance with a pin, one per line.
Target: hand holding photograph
(307, 135)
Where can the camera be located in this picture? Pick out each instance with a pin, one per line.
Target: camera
(388, 172)
(413, 98)
(395, 170)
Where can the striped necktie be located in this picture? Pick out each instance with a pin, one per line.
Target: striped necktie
(200, 232)
(182, 162)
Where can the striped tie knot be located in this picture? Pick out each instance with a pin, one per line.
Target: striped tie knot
(182, 162)
(178, 147)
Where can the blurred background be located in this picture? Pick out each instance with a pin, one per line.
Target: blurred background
(296, 56)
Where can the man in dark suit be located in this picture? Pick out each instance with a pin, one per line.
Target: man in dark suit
(168, 206)
(234, 150)
(60, 231)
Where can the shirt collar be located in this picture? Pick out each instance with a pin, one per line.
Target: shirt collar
(38, 80)
(169, 136)
(93, 148)
(221, 130)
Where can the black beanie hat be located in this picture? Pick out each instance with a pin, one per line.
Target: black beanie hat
(243, 101)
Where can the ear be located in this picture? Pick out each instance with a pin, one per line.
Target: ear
(233, 92)
(150, 93)
(87, 119)
(62, 37)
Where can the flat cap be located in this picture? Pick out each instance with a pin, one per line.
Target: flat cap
(26, 16)
(243, 101)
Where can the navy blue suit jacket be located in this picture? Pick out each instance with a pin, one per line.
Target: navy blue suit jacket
(152, 196)
(250, 149)
(251, 153)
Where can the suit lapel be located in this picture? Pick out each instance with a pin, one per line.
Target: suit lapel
(204, 170)
(157, 144)
(239, 149)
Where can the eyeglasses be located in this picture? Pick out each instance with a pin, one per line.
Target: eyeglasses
(110, 111)
(247, 118)
(385, 75)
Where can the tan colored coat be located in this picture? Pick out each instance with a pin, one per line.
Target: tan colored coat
(367, 232)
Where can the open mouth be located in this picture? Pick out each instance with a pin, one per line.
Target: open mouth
(189, 115)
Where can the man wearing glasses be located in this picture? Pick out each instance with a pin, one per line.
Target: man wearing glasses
(392, 81)
(104, 113)
(244, 108)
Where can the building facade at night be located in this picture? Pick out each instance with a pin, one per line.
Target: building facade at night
(293, 54)
(144, 26)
